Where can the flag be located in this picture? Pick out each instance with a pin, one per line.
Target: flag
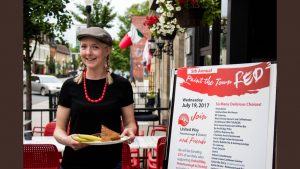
(132, 37)
(147, 56)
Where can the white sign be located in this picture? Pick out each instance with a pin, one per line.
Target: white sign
(223, 117)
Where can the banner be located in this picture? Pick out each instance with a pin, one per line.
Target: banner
(223, 117)
(132, 37)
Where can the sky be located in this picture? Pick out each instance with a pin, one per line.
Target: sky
(120, 6)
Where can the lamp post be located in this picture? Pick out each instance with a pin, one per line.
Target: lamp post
(88, 8)
(151, 45)
(160, 44)
(157, 47)
(169, 48)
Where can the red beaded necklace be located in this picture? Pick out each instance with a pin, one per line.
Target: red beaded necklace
(86, 93)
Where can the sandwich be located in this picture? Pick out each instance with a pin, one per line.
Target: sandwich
(108, 134)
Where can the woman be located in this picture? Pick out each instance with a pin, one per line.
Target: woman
(91, 99)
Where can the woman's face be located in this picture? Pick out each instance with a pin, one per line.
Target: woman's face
(93, 53)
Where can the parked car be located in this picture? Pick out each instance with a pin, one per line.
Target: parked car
(24, 75)
(44, 83)
(73, 73)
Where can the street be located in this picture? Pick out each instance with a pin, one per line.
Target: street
(37, 98)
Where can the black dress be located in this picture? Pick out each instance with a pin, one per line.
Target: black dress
(86, 118)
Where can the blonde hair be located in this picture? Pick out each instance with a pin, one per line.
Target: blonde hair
(79, 78)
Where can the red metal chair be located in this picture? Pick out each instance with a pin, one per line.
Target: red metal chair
(49, 129)
(39, 130)
(128, 162)
(157, 130)
(135, 153)
(40, 156)
(160, 141)
(151, 153)
(160, 128)
(157, 163)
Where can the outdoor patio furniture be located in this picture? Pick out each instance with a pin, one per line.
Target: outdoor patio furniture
(49, 129)
(160, 140)
(156, 163)
(39, 156)
(158, 128)
(128, 162)
(38, 130)
(135, 152)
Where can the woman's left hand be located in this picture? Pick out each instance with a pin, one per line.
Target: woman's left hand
(128, 132)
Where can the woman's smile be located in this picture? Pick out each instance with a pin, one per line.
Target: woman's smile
(90, 59)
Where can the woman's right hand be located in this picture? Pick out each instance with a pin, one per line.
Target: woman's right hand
(75, 144)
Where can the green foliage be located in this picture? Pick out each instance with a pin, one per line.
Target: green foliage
(141, 9)
(61, 40)
(41, 17)
(101, 15)
(76, 57)
(45, 17)
(120, 58)
(51, 65)
(75, 49)
(77, 62)
(211, 8)
(151, 94)
(207, 60)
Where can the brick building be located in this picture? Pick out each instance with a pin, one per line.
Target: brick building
(136, 50)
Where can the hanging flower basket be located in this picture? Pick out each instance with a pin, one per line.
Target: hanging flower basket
(189, 17)
(165, 23)
(168, 37)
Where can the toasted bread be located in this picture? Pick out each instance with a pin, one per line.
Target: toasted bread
(108, 134)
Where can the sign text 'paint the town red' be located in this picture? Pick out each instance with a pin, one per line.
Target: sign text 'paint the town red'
(226, 81)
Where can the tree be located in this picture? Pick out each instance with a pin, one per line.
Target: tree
(101, 14)
(51, 65)
(75, 59)
(120, 59)
(41, 18)
(141, 9)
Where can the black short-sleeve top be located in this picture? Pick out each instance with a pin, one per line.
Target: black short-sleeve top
(86, 118)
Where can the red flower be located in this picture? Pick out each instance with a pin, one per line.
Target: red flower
(181, 2)
(150, 20)
(193, 2)
(187, 3)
